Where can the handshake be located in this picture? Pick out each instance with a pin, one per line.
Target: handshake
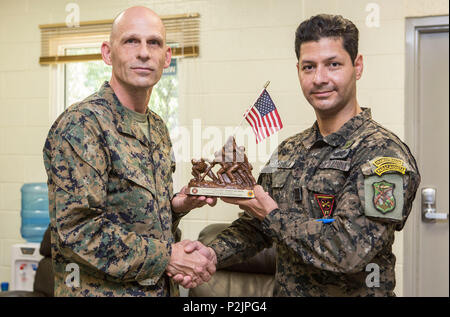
(191, 263)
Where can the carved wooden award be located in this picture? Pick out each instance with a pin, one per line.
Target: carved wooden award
(233, 179)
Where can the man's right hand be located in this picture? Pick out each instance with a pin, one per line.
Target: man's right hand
(193, 268)
(259, 207)
(195, 246)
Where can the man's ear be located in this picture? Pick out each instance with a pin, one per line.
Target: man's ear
(106, 52)
(359, 66)
(168, 57)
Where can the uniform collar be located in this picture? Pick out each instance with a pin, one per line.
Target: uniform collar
(123, 120)
(340, 136)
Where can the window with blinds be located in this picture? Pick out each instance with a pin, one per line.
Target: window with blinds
(182, 34)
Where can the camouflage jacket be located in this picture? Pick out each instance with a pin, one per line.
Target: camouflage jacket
(109, 194)
(363, 179)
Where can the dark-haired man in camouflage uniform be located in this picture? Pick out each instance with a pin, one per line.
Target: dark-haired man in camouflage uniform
(109, 165)
(340, 189)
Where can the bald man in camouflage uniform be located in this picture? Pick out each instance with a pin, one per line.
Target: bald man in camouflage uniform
(108, 159)
(340, 189)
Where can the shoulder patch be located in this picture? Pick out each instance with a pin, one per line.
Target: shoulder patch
(388, 164)
(383, 196)
(381, 165)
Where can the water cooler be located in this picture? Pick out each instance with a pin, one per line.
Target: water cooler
(24, 263)
(35, 219)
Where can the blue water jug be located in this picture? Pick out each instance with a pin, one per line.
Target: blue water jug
(34, 212)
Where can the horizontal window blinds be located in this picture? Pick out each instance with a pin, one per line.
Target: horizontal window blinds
(58, 40)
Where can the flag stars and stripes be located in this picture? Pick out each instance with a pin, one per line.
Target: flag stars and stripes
(263, 117)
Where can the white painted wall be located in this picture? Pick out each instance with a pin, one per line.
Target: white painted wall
(244, 43)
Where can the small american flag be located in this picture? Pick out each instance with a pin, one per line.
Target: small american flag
(263, 117)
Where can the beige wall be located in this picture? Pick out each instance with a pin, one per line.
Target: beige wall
(243, 44)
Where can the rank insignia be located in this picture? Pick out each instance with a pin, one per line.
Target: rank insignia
(326, 203)
(383, 196)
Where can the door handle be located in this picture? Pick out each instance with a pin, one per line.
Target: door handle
(429, 213)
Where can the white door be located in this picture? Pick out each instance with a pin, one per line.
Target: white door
(427, 121)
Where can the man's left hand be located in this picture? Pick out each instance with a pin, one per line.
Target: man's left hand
(183, 202)
(260, 206)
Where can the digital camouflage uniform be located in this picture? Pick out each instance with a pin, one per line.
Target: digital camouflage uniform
(333, 177)
(109, 193)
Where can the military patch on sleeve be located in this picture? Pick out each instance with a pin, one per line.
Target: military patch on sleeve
(384, 196)
(388, 164)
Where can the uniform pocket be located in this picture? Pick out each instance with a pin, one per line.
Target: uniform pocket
(327, 181)
(279, 178)
(136, 173)
(280, 173)
(140, 179)
(282, 184)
